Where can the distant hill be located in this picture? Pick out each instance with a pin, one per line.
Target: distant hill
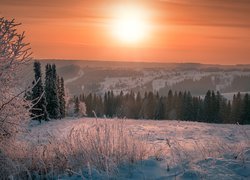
(100, 76)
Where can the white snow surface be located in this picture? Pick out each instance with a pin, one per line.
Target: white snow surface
(206, 151)
(162, 78)
(79, 75)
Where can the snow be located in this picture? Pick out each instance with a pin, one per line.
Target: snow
(230, 96)
(190, 150)
(162, 78)
(226, 167)
(79, 75)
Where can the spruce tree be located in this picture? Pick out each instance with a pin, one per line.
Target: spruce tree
(150, 104)
(246, 110)
(105, 104)
(89, 105)
(188, 106)
(62, 97)
(237, 109)
(138, 103)
(38, 97)
(51, 90)
(99, 106)
(196, 108)
(208, 107)
(179, 106)
(169, 104)
(77, 106)
(160, 110)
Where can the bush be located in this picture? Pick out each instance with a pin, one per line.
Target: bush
(14, 53)
(101, 145)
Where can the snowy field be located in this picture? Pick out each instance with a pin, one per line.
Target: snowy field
(176, 150)
(160, 79)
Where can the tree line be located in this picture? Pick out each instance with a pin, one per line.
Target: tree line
(48, 99)
(213, 108)
(49, 102)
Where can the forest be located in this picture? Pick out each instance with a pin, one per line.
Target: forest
(177, 105)
(214, 108)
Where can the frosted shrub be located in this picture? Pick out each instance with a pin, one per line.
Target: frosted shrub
(14, 110)
(14, 53)
(106, 144)
(101, 145)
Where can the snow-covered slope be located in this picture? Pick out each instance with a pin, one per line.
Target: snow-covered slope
(98, 77)
(185, 150)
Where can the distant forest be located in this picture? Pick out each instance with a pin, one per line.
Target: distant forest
(50, 102)
(214, 108)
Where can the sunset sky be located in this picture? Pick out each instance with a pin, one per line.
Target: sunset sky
(204, 31)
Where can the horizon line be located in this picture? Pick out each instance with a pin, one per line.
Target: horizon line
(137, 61)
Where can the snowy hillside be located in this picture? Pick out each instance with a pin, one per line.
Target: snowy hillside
(182, 150)
(98, 77)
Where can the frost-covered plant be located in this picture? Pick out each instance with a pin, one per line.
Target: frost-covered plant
(100, 146)
(14, 53)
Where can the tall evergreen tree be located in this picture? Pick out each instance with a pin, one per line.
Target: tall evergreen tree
(77, 106)
(179, 106)
(160, 110)
(237, 109)
(208, 107)
(150, 106)
(61, 95)
(169, 104)
(188, 106)
(99, 106)
(246, 110)
(51, 90)
(138, 102)
(105, 104)
(89, 105)
(38, 97)
(224, 111)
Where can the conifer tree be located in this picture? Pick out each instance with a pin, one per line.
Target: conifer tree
(160, 110)
(119, 105)
(138, 103)
(62, 97)
(196, 108)
(109, 97)
(150, 104)
(89, 105)
(229, 110)
(38, 97)
(105, 104)
(237, 109)
(219, 105)
(77, 106)
(143, 110)
(214, 107)
(188, 106)
(224, 111)
(179, 106)
(246, 110)
(169, 104)
(51, 90)
(208, 109)
(99, 106)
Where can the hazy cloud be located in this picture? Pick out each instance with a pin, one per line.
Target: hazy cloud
(229, 13)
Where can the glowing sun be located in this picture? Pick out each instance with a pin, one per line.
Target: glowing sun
(130, 25)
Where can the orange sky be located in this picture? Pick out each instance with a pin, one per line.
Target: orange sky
(204, 31)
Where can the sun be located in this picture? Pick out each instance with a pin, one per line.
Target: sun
(130, 25)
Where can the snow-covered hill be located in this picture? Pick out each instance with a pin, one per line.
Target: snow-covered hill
(182, 150)
(98, 77)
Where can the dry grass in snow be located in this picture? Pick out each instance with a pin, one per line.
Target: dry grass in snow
(98, 144)
(73, 146)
